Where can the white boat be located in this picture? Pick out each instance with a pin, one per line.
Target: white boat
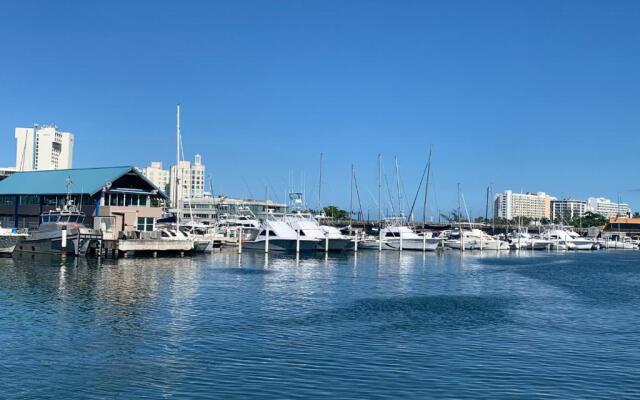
(401, 237)
(525, 241)
(61, 231)
(9, 238)
(571, 240)
(622, 243)
(281, 237)
(475, 239)
(309, 227)
(337, 240)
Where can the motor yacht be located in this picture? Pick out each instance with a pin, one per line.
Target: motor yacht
(474, 239)
(399, 236)
(280, 237)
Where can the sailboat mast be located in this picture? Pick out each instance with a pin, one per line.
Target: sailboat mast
(178, 183)
(426, 192)
(320, 185)
(398, 187)
(380, 189)
(351, 196)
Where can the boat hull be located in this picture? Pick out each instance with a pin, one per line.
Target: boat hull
(9, 242)
(429, 244)
(281, 245)
(335, 245)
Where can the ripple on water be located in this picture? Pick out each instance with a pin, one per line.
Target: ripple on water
(436, 312)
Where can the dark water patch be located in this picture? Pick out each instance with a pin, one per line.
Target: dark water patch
(602, 280)
(245, 271)
(439, 312)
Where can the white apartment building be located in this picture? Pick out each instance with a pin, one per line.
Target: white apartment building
(509, 205)
(191, 180)
(565, 210)
(43, 148)
(606, 207)
(156, 174)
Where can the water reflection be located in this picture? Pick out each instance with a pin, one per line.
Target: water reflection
(386, 325)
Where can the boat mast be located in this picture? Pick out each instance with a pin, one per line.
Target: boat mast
(426, 192)
(398, 188)
(178, 167)
(380, 190)
(458, 216)
(320, 185)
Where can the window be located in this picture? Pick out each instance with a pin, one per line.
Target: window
(7, 200)
(146, 224)
(29, 200)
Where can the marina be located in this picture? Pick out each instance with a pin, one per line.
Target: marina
(368, 325)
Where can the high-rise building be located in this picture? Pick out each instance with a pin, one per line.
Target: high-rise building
(191, 180)
(156, 174)
(606, 207)
(564, 211)
(43, 148)
(509, 205)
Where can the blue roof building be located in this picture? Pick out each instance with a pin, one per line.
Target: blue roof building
(123, 193)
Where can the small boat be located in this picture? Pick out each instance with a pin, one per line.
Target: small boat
(61, 231)
(9, 238)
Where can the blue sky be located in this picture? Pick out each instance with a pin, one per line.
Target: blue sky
(527, 95)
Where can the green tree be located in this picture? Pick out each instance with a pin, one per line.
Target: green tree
(336, 213)
(589, 219)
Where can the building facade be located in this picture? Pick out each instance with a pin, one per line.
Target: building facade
(43, 148)
(563, 211)
(207, 209)
(122, 194)
(509, 205)
(159, 176)
(606, 207)
(190, 180)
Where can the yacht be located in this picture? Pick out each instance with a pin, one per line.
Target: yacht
(310, 228)
(563, 239)
(336, 239)
(281, 237)
(61, 231)
(475, 239)
(525, 241)
(8, 239)
(401, 237)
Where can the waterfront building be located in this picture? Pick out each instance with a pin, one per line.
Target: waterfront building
(606, 207)
(121, 195)
(206, 210)
(565, 210)
(159, 176)
(509, 205)
(190, 178)
(43, 147)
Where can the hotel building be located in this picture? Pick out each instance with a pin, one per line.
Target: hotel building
(509, 205)
(600, 205)
(565, 210)
(43, 148)
(191, 180)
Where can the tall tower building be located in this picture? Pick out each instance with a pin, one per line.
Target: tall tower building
(191, 180)
(43, 148)
(156, 174)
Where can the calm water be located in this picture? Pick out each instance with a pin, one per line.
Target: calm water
(390, 326)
